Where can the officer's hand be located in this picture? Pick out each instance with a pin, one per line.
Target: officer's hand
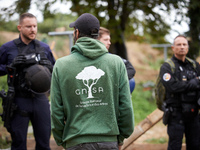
(47, 63)
(193, 84)
(20, 59)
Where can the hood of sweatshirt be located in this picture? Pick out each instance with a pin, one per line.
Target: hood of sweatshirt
(89, 47)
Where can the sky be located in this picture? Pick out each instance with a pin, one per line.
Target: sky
(64, 8)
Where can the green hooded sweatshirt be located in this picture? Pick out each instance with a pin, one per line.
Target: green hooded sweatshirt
(90, 96)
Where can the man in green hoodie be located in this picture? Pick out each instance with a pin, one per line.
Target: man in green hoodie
(91, 107)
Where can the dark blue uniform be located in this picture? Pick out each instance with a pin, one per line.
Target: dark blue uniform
(182, 92)
(35, 106)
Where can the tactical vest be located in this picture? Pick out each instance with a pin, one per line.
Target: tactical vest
(33, 69)
(184, 73)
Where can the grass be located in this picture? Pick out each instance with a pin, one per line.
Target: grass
(3, 85)
(143, 103)
(157, 141)
(161, 140)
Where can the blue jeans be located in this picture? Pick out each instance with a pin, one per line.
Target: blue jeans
(96, 146)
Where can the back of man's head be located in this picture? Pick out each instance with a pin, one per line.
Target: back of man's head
(87, 25)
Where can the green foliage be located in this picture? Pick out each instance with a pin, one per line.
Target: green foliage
(154, 64)
(121, 17)
(51, 24)
(161, 140)
(46, 26)
(1, 43)
(22, 6)
(3, 85)
(157, 141)
(4, 144)
(8, 25)
(1, 111)
(61, 45)
(143, 103)
(193, 14)
(3, 82)
(130, 19)
(140, 20)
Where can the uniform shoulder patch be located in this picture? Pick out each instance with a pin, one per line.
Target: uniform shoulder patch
(166, 77)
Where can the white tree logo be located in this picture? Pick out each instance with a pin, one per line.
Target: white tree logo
(90, 73)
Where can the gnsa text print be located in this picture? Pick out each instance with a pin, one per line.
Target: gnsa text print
(90, 76)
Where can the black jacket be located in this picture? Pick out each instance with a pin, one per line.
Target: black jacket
(130, 69)
(182, 83)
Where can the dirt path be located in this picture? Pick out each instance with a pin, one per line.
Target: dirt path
(159, 131)
(156, 132)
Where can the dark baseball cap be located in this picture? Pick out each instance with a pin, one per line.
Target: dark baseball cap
(85, 23)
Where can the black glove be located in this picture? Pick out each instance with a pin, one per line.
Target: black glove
(20, 59)
(24, 60)
(45, 62)
(193, 84)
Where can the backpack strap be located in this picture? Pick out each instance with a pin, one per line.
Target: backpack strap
(192, 62)
(17, 43)
(172, 65)
(37, 44)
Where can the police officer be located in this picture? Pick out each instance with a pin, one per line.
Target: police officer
(182, 94)
(33, 61)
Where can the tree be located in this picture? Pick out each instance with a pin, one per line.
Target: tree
(121, 16)
(90, 75)
(126, 17)
(192, 12)
(116, 15)
(194, 32)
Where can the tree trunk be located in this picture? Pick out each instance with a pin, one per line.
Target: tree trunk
(117, 35)
(194, 33)
(119, 48)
